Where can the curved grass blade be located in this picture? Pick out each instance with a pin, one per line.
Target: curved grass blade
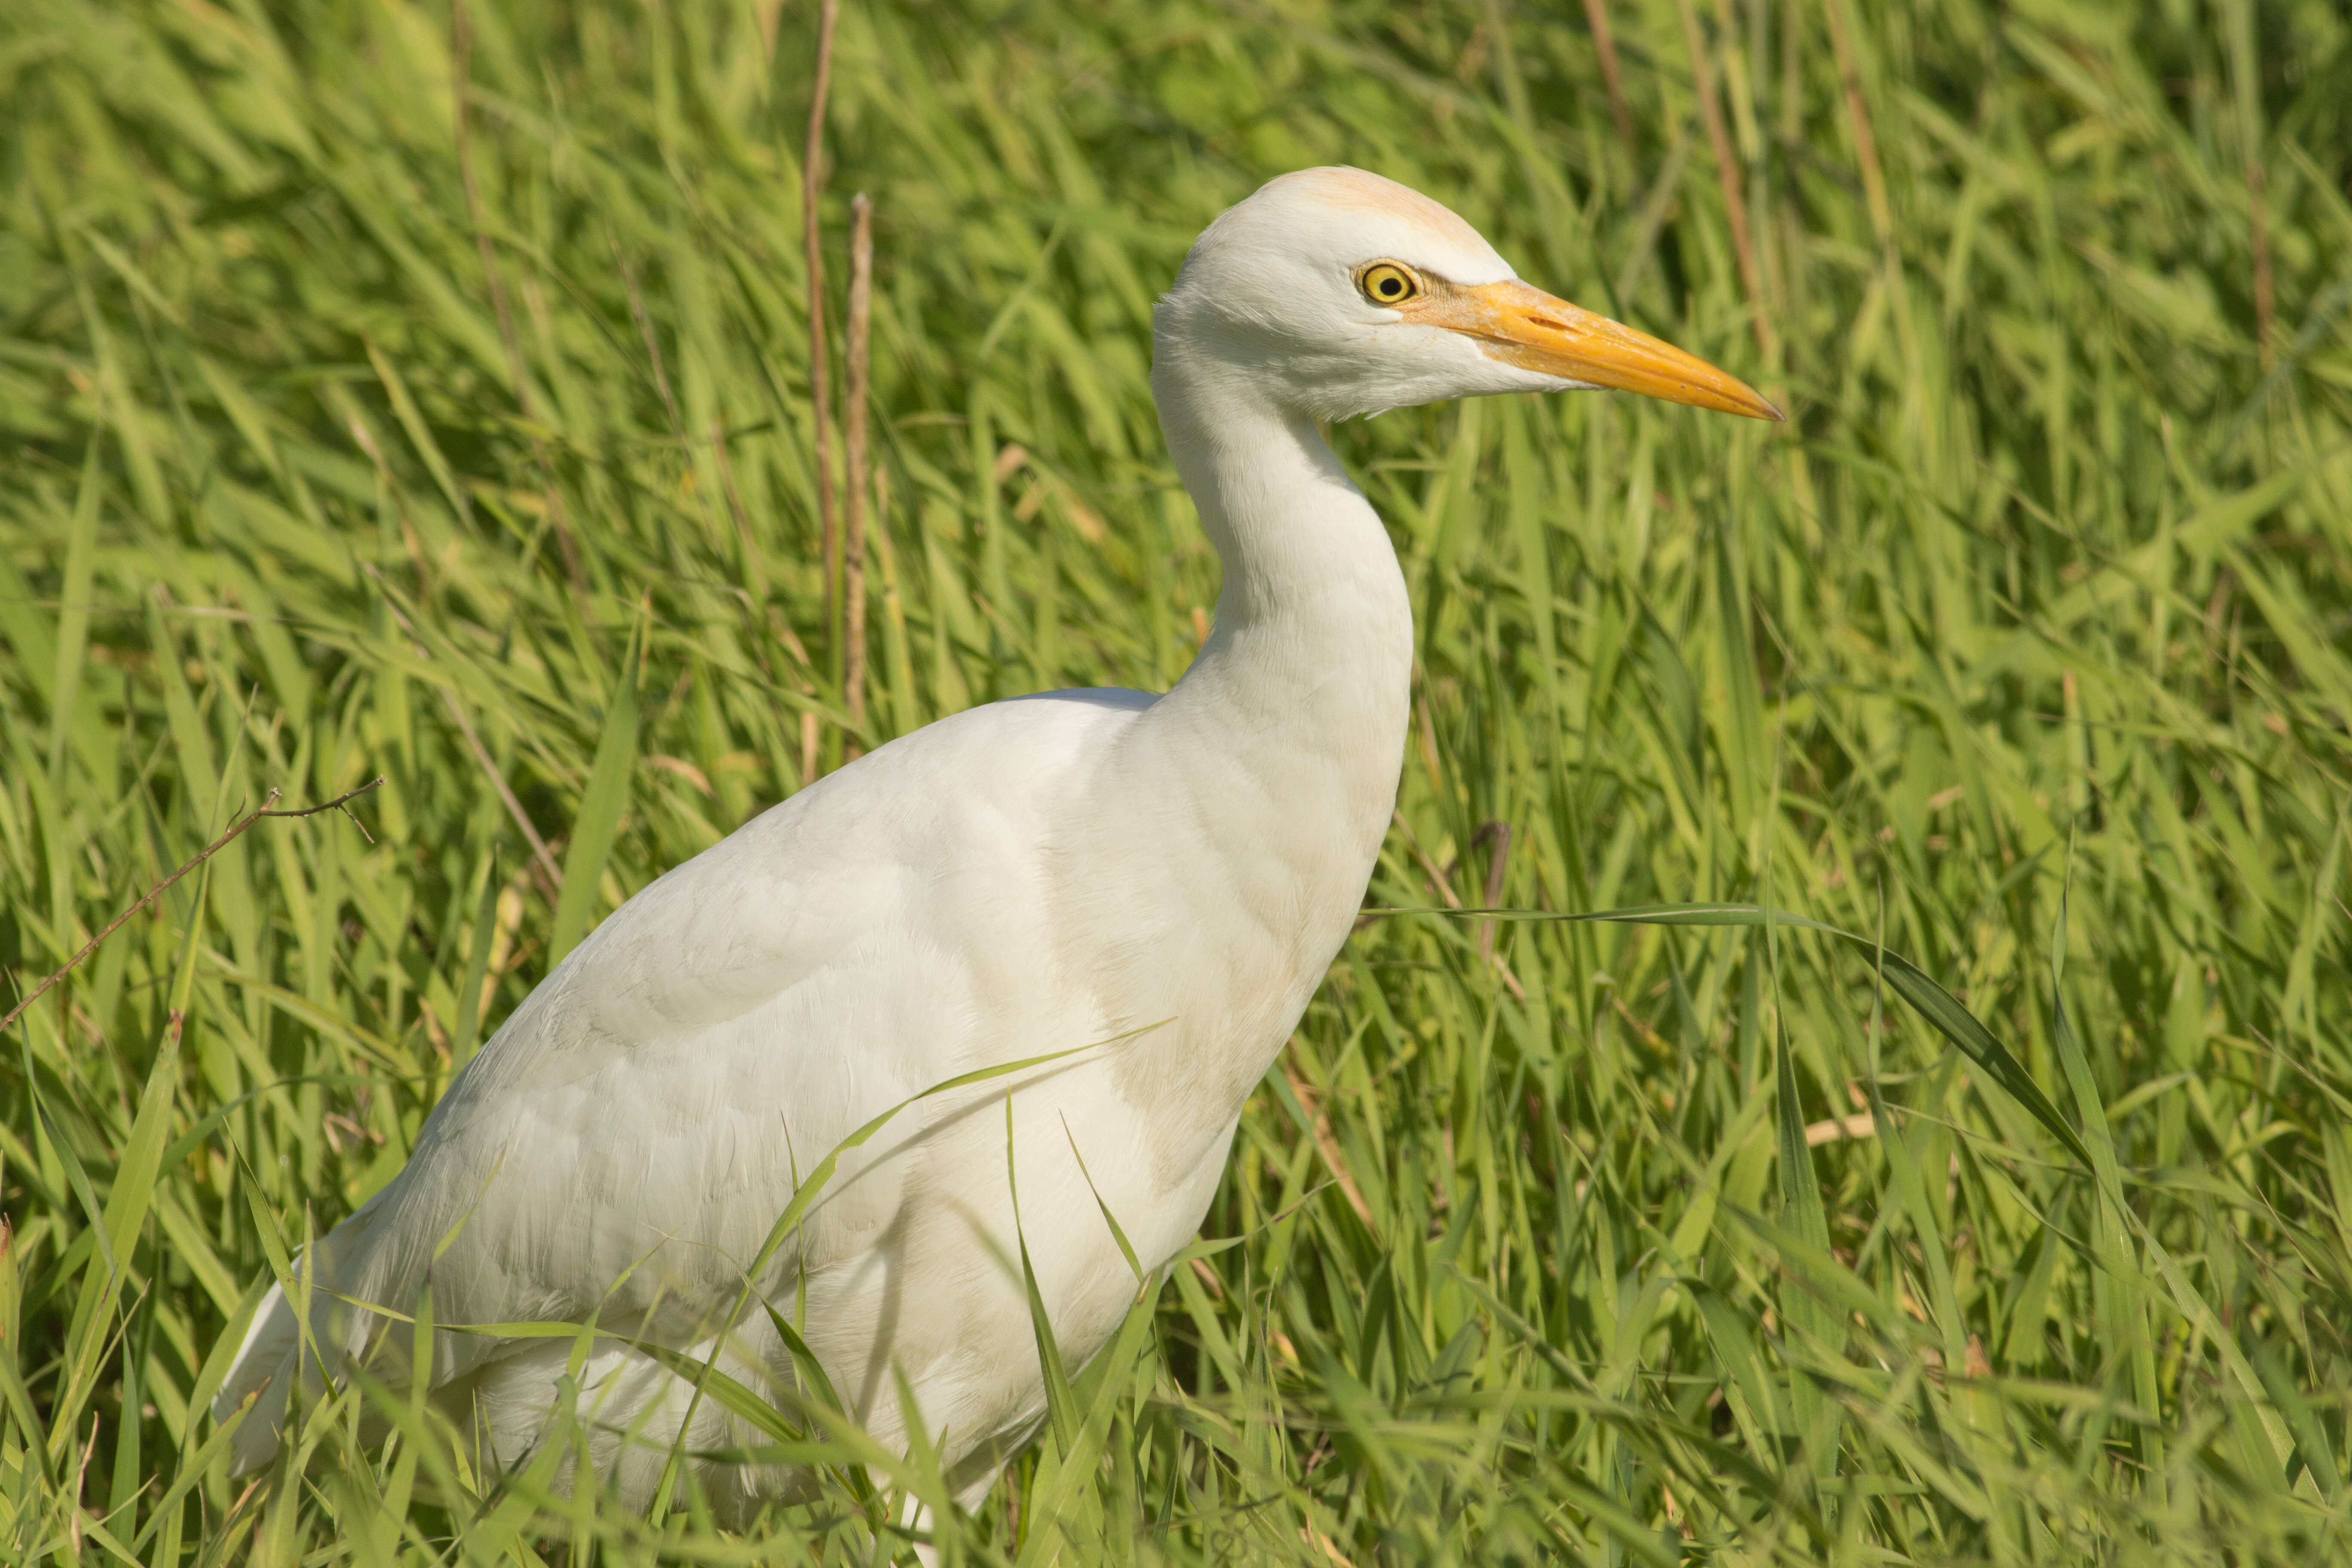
(1929, 1000)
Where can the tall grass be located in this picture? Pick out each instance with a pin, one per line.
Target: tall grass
(2023, 646)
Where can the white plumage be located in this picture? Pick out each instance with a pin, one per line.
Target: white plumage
(1020, 878)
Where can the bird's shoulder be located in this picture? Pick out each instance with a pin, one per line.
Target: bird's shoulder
(827, 960)
(905, 848)
(991, 759)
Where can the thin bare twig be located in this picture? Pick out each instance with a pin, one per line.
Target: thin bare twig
(506, 792)
(481, 752)
(1320, 1115)
(341, 803)
(2245, 73)
(820, 383)
(755, 565)
(645, 333)
(782, 631)
(853, 521)
(1429, 869)
(461, 50)
(1727, 169)
(2261, 230)
(1866, 142)
(1440, 878)
(1596, 12)
(1498, 834)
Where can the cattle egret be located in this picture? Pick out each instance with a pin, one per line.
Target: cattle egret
(1161, 879)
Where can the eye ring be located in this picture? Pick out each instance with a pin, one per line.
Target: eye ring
(1388, 283)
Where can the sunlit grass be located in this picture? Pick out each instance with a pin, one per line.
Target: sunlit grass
(2023, 645)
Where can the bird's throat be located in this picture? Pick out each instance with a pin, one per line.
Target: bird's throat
(1273, 764)
(1313, 625)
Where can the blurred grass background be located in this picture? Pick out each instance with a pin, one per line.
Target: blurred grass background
(329, 449)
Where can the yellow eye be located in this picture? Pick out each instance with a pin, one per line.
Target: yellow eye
(1386, 283)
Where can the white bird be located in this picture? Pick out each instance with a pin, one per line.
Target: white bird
(1169, 873)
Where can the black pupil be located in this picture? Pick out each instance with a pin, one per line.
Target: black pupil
(1392, 285)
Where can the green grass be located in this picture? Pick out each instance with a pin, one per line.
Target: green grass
(2024, 643)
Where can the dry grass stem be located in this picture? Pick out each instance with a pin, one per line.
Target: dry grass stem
(854, 397)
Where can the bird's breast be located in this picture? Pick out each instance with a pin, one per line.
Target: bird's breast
(1212, 903)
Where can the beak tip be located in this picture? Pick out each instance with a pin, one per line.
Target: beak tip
(1755, 404)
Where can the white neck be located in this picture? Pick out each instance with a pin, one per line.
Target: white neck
(1266, 778)
(1314, 630)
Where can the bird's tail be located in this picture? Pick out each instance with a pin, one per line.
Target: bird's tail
(281, 1352)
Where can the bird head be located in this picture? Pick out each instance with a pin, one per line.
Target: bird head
(1335, 293)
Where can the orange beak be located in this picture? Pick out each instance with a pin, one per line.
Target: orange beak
(1528, 328)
